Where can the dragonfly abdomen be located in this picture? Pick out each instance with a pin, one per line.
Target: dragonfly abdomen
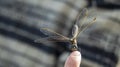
(75, 31)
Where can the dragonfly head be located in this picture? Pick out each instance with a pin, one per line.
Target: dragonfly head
(74, 48)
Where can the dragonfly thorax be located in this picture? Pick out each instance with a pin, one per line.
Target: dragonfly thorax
(74, 46)
(73, 41)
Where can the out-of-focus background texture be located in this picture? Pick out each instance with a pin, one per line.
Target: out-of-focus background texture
(21, 22)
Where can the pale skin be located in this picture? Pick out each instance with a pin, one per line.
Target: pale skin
(73, 60)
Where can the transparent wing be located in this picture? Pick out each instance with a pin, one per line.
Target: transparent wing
(53, 33)
(86, 25)
(52, 39)
(54, 36)
(81, 17)
(79, 22)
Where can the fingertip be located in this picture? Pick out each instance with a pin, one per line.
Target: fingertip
(76, 53)
(76, 56)
(73, 60)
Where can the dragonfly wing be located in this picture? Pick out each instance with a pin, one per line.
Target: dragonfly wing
(79, 22)
(86, 25)
(52, 33)
(52, 39)
(81, 17)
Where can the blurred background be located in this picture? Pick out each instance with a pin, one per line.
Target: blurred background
(21, 22)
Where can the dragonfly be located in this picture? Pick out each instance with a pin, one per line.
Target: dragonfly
(77, 28)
